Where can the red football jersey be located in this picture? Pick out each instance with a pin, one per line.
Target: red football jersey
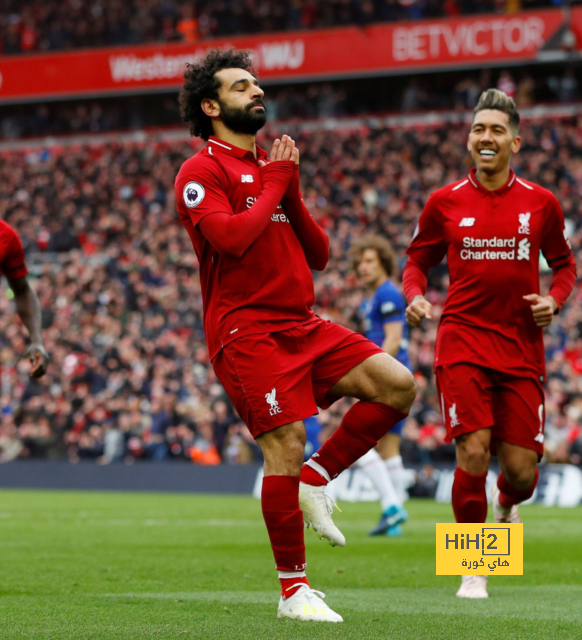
(268, 288)
(492, 240)
(12, 262)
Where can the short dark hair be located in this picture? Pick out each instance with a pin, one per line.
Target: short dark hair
(380, 245)
(495, 99)
(200, 83)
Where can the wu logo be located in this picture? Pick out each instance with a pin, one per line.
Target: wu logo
(274, 408)
(524, 223)
(523, 249)
(453, 416)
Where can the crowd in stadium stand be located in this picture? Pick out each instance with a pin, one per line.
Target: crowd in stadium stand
(319, 100)
(118, 281)
(50, 25)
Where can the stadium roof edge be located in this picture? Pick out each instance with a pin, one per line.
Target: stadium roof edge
(391, 121)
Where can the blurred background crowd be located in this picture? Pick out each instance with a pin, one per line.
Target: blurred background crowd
(453, 91)
(51, 25)
(118, 280)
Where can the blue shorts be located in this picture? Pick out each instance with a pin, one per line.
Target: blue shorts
(397, 428)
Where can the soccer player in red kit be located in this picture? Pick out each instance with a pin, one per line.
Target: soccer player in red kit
(489, 358)
(256, 244)
(13, 266)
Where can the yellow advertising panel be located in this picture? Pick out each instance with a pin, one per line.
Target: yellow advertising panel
(479, 549)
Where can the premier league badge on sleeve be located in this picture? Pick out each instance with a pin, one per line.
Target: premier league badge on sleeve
(193, 194)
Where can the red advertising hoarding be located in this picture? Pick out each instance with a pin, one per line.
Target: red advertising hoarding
(290, 56)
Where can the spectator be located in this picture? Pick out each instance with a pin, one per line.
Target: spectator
(506, 84)
(123, 320)
(29, 25)
(188, 25)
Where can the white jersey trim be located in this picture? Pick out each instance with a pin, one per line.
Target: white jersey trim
(527, 186)
(461, 185)
(221, 145)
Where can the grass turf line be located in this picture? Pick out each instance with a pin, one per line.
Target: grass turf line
(117, 566)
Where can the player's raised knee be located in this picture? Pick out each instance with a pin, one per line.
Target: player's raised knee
(406, 392)
(398, 389)
(521, 478)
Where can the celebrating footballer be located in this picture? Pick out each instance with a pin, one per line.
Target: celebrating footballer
(489, 357)
(256, 244)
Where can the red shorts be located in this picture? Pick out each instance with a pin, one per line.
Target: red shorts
(277, 378)
(474, 398)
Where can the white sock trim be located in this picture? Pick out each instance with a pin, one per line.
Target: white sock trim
(291, 574)
(317, 467)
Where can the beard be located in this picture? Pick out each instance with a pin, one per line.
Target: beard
(243, 120)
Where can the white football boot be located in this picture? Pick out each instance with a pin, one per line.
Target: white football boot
(473, 587)
(317, 508)
(306, 604)
(501, 514)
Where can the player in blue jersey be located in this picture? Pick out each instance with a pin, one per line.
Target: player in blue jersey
(382, 315)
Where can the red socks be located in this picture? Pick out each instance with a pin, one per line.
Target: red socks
(469, 497)
(509, 496)
(363, 425)
(288, 587)
(310, 476)
(284, 520)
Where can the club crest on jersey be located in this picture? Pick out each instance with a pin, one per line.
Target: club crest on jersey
(523, 249)
(274, 408)
(453, 416)
(524, 223)
(193, 194)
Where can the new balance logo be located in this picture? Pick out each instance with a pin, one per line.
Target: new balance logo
(246, 178)
(523, 249)
(524, 223)
(453, 416)
(271, 400)
(467, 222)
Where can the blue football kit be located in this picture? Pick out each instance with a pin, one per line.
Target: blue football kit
(387, 304)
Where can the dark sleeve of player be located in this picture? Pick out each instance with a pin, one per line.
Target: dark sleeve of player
(392, 307)
(558, 253)
(234, 233)
(311, 236)
(427, 249)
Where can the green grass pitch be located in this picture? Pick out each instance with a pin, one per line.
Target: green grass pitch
(114, 566)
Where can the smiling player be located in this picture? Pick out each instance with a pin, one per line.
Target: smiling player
(489, 358)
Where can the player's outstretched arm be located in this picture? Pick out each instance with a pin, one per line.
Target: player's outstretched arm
(28, 308)
(417, 310)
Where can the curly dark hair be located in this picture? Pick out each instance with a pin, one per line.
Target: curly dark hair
(380, 245)
(200, 82)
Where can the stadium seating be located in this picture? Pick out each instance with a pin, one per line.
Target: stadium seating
(117, 278)
(48, 25)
